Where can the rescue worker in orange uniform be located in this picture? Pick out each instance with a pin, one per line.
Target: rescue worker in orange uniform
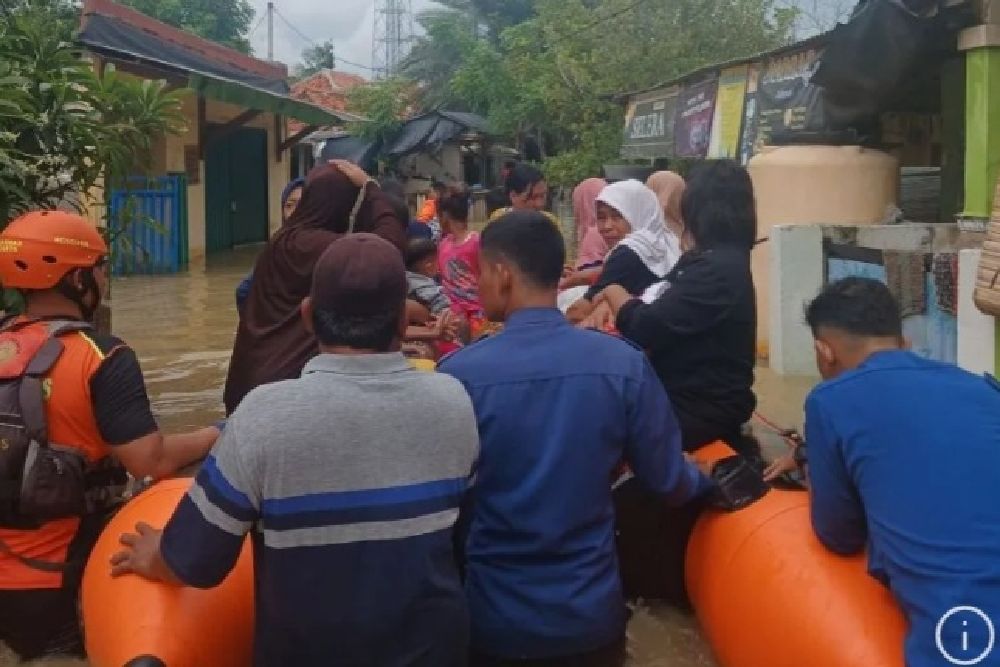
(74, 415)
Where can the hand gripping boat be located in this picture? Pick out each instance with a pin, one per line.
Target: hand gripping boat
(768, 594)
(132, 622)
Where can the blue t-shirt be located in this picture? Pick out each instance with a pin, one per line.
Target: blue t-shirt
(558, 409)
(904, 457)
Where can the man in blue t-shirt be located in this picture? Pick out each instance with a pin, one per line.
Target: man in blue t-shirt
(558, 409)
(904, 457)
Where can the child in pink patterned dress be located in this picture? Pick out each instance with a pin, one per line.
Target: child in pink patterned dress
(458, 256)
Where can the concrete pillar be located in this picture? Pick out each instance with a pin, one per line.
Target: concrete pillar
(982, 117)
(981, 45)
(796, 278)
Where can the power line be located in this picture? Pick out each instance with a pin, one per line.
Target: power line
(598, 22)
(313, 42)
(257, 27)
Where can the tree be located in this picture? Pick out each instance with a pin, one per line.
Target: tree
(63, 128)
(224, 21)
(384, 104)
(316, 58)
(549, 78)
(817, 16)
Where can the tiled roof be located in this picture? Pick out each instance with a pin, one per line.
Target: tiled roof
(186, 40)
(327, 89)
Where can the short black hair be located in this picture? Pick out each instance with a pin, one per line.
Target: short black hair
(529, 241)
(718, 206)
(439, 186)
(857, 306)
(418, 251)
(369, 332)
(456, 202)
(509, 164)
(523, 177)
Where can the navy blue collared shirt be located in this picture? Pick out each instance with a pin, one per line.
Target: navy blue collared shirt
(904, 457)
(558, 409)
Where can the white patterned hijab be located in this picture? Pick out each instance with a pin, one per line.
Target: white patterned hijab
(657, 247)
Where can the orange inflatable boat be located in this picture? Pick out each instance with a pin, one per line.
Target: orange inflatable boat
(768, 594)
(132, 622)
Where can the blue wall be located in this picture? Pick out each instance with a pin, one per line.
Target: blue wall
(933, 335)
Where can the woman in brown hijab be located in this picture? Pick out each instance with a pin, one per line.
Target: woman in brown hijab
(271, 343)
(669, 188)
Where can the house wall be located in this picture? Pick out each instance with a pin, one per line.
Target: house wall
(444, 165)
(171, 158)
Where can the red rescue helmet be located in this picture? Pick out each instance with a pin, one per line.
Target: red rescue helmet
(39, 248)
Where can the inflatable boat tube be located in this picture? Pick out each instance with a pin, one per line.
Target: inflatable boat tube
(766, 592)
(132, 622)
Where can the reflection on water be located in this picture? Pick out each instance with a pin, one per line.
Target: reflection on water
(182, 329)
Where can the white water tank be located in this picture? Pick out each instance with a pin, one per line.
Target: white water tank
(815, 185)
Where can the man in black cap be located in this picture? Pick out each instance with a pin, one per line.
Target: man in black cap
(349, 480)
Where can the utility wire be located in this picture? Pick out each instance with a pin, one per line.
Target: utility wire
(594, 24)
(256, 27)
(313, 42)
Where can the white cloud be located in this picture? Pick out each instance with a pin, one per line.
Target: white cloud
(348, 23)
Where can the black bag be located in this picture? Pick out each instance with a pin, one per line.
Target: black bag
(39, 481)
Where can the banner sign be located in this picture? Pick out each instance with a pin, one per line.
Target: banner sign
(695, 112)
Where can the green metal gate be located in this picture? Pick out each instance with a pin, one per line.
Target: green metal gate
(236, 184)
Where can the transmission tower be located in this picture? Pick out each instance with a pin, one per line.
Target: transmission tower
(392, 36)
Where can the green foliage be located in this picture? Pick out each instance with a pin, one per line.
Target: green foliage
(63, 129)
(553, 65)
(384, 104)
(223, 21)
(316, 58)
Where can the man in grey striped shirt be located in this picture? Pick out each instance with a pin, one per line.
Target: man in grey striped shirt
(349, 480)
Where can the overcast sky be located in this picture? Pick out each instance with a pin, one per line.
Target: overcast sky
(348, 23)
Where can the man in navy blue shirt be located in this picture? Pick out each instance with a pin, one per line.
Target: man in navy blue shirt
(558, 409)
(904, 457)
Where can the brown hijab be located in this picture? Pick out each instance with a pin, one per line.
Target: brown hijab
(669, 188)
(271, 342)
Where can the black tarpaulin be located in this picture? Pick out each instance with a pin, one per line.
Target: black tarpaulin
(355, 149)
(868, 59)
(433, 129)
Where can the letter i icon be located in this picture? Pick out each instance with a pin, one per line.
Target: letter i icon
(965, 636)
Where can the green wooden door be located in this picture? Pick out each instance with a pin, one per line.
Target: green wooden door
(236, 190)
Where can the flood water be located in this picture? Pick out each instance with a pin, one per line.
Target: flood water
(182, 329)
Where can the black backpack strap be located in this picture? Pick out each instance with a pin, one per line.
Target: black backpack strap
(31, 396)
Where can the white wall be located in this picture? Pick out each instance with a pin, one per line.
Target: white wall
(796, 277)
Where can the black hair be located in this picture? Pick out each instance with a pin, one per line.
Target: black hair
(856, 306)
(418, 251)
(439, 186)
(718, 206)
(529, 241)
(368, 332)
(509, 164)
(456, 202)
(522, 178)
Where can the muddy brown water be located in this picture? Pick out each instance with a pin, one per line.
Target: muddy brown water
(182, 329)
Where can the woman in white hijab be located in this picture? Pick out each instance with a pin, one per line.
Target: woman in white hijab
(643, 249)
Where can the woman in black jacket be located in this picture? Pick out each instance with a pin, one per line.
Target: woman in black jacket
(700, 331)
